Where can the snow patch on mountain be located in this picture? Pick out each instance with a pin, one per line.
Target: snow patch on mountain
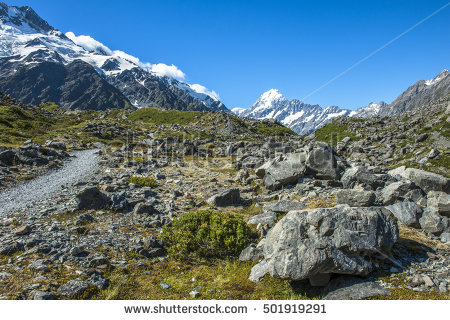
(371, 110)
(238, 111)
(301, 117)
(23, 34)
(441, 76)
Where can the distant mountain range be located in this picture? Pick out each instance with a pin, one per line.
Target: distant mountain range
(38, 63)
(305, 118)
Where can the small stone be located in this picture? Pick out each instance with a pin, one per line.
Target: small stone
(194, 294)
(164, 285)
(24, 230)
(42, 295)
(445, 237)
(73, 288)
(428, 281)
(259, 271)
(98, 281)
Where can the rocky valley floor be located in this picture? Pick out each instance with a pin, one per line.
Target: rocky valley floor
(214, 207)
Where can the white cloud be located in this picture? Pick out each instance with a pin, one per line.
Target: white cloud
(166, 70)
(88, 43)
(201, 89)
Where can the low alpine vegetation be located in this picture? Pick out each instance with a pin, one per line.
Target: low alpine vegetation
(143, 181)
(206, 234)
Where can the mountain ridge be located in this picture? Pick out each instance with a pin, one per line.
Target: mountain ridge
(27, 39)
(305, 118)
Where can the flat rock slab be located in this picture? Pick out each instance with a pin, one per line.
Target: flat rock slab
(284, 206)
(353, 288)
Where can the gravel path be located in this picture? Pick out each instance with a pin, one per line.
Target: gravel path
(43, 187)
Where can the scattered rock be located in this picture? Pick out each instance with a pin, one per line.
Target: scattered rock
(42, 295)
(407, 213)
(321, 161)
(226, 198)
(445, 237)
(91, 198)
(353, 288)
(355, 198)
(286, 172)
(432, 222)
(394, 191)
(440, 201)
(73, 288)
(22, 231)
(164, 285)
(251, 253)
(427, 181)
(259, 271)
(265, 218)
(98, 281)
(284, 206)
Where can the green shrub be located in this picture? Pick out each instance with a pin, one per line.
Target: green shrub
(143, 181)
(206, 234)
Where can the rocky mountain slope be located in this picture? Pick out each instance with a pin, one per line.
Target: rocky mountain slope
(419, 94)
(417, 138)
(32, 51)
(305, 118)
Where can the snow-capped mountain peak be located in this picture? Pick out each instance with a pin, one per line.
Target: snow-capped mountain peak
(371, 110)
(299, 116)
(28, 40)
(271, 95)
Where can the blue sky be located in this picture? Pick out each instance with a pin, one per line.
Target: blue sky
(241, 49)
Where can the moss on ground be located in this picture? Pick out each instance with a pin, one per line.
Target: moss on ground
(218, 279)
(157, 116)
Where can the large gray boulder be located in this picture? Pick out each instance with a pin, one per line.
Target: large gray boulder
(285, 172)
(427, 181)
(355, 198)
(310, 243)
(322, 163)
(407, 213)
(440, 201)
(225, 198)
